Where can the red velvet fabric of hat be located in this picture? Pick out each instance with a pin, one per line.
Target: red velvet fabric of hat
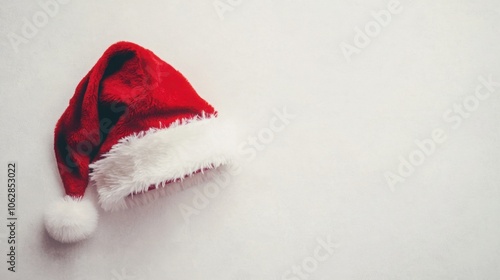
(134, 127)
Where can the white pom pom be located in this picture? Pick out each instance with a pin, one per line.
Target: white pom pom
(71, 219)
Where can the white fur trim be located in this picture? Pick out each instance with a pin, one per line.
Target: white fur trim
(157, 156)
(71, 219)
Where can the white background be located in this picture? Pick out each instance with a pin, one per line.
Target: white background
(320, 177)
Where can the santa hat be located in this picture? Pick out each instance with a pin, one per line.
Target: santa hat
(133, 127)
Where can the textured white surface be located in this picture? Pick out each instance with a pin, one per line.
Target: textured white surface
(312, 179)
